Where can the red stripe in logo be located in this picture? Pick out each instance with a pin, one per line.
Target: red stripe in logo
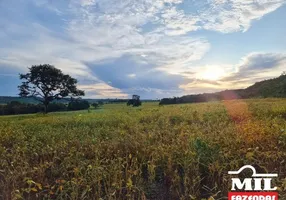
(252, 196)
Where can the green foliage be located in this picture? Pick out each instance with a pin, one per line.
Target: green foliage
(95, 105)
(118, 152)
(47, 83)
(78, 105)
(269, 88)
(134, 102)
(55, 107)
(16, 108)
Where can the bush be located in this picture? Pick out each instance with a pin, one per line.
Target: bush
(134, 102)
(14, 108)
(95, 105)
(78, 105)
(53, 107)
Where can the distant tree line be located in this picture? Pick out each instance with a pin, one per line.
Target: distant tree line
(264, 89)
(16, 108)
(206, 97)
(117, 101)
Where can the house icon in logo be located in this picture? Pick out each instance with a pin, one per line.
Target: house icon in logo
(253, 170)
(253, 183)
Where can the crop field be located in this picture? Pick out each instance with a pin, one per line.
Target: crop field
(151, 152)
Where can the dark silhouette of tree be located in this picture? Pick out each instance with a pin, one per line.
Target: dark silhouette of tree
(46, 83)
(135, 101)
(100, 103)
(95, 105)
(78, 104)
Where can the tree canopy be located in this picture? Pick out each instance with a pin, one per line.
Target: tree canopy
(47, 83)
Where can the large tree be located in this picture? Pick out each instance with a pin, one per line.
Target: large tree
(47, 83)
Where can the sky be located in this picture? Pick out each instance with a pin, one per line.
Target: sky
(153, 48)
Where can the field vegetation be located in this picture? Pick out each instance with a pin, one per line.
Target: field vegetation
(151, 152)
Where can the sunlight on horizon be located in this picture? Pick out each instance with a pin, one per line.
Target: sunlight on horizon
(213, 73)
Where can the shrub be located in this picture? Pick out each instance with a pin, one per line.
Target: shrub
(78, 105)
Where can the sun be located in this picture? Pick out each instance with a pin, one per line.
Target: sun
(212, 73)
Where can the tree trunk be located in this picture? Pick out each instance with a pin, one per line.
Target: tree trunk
(46, 107)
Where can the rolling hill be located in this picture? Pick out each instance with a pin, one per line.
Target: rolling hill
(275, 87)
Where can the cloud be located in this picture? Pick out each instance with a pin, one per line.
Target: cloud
(136, 28)
(235, 15)
(258, 65)
(178, 23)
(170, 18)
(125, 73)
(102, 90)
(154, 93)
(262, 61)
(156, 29)
(252, 68)
(84, 37)
(96, 31)
(198, 86)
(131, 75)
